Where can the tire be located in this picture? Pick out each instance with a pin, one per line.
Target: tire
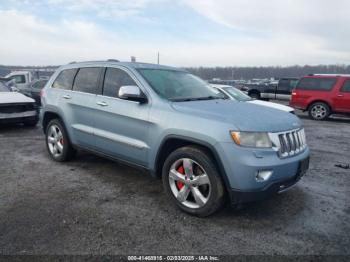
(31, 123)
(319, 111)
(202, 192)
(57, 143)
(255, 95)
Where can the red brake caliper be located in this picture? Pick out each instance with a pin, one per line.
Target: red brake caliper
(179, 184)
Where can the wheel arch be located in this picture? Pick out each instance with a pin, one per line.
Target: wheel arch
(173, 142)
(48, 116)
(254, 91)
(319, 101)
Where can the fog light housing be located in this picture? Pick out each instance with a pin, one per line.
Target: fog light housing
(263, 175)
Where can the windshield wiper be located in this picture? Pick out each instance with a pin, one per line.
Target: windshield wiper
(196, 98)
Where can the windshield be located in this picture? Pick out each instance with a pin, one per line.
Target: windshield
(178, 85)
(237, 94)
(4, 88)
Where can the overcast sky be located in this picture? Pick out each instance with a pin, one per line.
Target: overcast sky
(185, 32)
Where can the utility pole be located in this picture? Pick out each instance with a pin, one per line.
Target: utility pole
(158, 57)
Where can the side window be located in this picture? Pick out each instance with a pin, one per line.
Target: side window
(346, 86)
(114, 79)
(219, 92)
(293, 83)
(65, 79)
(322, 84)
(19, 79)
(284, 85)
(87, 80)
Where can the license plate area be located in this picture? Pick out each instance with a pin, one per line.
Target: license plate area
(303, 167)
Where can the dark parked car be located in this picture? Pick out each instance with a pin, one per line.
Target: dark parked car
(280, 91)
(34, 89)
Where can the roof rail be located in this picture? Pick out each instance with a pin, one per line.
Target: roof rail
(113, 60)
(329, 74)
(73, 62)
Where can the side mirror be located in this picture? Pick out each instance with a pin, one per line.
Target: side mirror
(14, 89)
(132, 93)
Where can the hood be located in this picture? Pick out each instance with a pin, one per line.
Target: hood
(244, 116)
(14, 97)
(273, 105)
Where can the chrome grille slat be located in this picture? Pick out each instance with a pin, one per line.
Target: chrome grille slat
(289, 143)
(296, 147)
(297, 139)
(283, 145)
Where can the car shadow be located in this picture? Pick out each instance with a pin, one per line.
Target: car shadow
(138, 183)
(15, 127)
(283, 208)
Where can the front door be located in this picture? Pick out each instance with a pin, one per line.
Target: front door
(343, 98)
(121, 128)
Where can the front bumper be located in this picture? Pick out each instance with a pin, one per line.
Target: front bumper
(240, 197)
(241, 166)
(21, 117)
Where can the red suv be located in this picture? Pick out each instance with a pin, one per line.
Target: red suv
(322, 95)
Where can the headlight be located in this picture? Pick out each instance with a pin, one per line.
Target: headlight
(251, 139)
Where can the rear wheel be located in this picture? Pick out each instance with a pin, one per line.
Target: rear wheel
(57, 141)
(191, 180)
(319, 111)
(255, 95)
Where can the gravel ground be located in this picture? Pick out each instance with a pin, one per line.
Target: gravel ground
(96, 206)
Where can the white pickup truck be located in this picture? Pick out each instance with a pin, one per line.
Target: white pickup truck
(16, 107)
(22, 79)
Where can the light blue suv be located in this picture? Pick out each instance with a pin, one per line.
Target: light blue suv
(173, 124)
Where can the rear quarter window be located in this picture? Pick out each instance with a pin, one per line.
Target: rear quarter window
(321, 84)
(39, 84)
(65, 79)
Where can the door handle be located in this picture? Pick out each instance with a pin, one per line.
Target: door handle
(67, 97)
(340, 95)
(102, 103)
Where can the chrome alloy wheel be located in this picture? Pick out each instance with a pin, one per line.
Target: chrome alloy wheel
(319, 112)
(189, 183)
(55, 141)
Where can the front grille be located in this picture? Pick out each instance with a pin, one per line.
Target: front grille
(289, 143)
(16, 108)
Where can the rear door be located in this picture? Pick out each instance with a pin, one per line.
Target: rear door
(284, 89)
(269, 91)
(79, 106)
(342, 99)
(121, 128)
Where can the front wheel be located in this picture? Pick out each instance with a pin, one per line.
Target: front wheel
(319, 111)
(191, 180)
